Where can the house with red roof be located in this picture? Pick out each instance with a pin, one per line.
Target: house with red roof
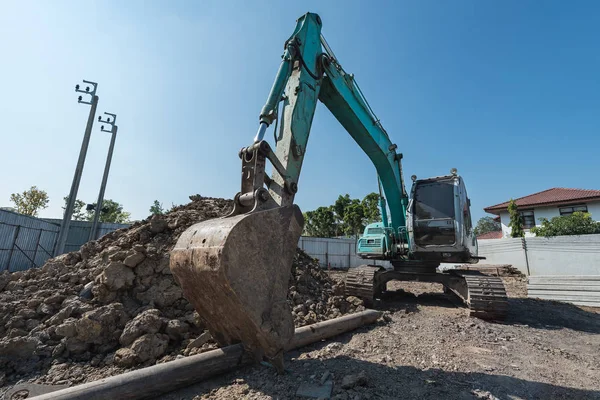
(547, 204)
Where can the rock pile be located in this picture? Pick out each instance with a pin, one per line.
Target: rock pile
(114, 303)
(313, 295)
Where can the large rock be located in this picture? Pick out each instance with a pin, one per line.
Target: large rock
(158, 224)
(162, 293)
(116, 276)
(145, 348)
(149, 321)
(19, 347)
(176, 329)
(133, 259)
(67, 328)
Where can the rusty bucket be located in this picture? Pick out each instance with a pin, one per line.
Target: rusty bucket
(235, 272)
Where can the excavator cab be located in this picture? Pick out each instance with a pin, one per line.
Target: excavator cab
(375, 241)
(439, 220)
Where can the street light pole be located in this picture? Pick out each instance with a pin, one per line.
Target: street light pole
(64, 226)
(113, 130)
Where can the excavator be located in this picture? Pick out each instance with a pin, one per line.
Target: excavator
(235, 270)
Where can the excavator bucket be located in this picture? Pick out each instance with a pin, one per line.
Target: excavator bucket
(235, 272)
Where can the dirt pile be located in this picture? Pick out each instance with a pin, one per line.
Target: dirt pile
(114, 304)
(314, 296)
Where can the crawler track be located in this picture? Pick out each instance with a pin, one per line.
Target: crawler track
(360, 282)
(486, 295)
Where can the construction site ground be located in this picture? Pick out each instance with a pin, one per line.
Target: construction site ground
(429, 348)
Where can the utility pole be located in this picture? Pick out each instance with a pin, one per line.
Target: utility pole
(113, 130)
(64, 226)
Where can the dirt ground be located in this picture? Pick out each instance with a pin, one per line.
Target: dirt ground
(432, 349)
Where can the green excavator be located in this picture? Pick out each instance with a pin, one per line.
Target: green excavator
(235, 270)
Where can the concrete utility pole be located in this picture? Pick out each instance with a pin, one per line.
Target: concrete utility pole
(64, 226)
(113, 130)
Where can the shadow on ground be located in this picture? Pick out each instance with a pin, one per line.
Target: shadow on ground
(383, 382)
(536, 313)
(545, 314)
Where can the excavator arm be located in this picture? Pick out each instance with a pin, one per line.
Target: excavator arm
(235, 270)
(308, 74)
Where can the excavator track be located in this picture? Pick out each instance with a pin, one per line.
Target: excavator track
(486, 295)
(360, 282)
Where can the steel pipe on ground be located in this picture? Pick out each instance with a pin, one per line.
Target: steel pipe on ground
(163, 378)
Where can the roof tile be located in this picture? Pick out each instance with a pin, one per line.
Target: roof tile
(554, 196)
(490, 235)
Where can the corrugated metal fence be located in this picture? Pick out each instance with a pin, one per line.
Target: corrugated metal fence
(335, 253)
(27, 242)
(563, 268)
(79, 232)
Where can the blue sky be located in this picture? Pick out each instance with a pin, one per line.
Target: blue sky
(507, 92)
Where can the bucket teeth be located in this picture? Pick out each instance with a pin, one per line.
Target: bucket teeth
(235, 272)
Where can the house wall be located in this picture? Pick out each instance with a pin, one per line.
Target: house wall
(545, 212)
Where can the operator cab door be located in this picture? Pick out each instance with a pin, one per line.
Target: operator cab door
(433, 209)
(466, 223)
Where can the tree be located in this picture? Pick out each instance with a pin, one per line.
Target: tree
(156, 208)
(487, 224)
(516, 220)
(31, 201)
(340, 205)
(578, 223)
(111, 212)
(78, 213)
(354, 216)
(370, 206)
(320, 222)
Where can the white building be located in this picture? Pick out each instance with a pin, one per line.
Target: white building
(548, 204)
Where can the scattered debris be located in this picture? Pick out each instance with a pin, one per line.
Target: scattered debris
(350, 381)
(315, 391)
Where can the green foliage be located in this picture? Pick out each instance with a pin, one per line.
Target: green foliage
(354, 215)
(578, 223)
(516, 220)
(345, 217)
(370, 206)
(487, 224)
(320, 222)
(31, 201)
(111, 212)
(157, 208)
(78, 212)
(340, 205)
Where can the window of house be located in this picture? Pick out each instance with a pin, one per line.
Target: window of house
(571, 209)
(528, 219)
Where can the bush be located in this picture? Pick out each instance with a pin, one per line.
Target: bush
(578, 223)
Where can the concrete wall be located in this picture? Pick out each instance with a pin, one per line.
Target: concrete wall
(560, 255)
(564, 255)
(503, 251)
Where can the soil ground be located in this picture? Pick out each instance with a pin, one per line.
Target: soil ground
(432, 349)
